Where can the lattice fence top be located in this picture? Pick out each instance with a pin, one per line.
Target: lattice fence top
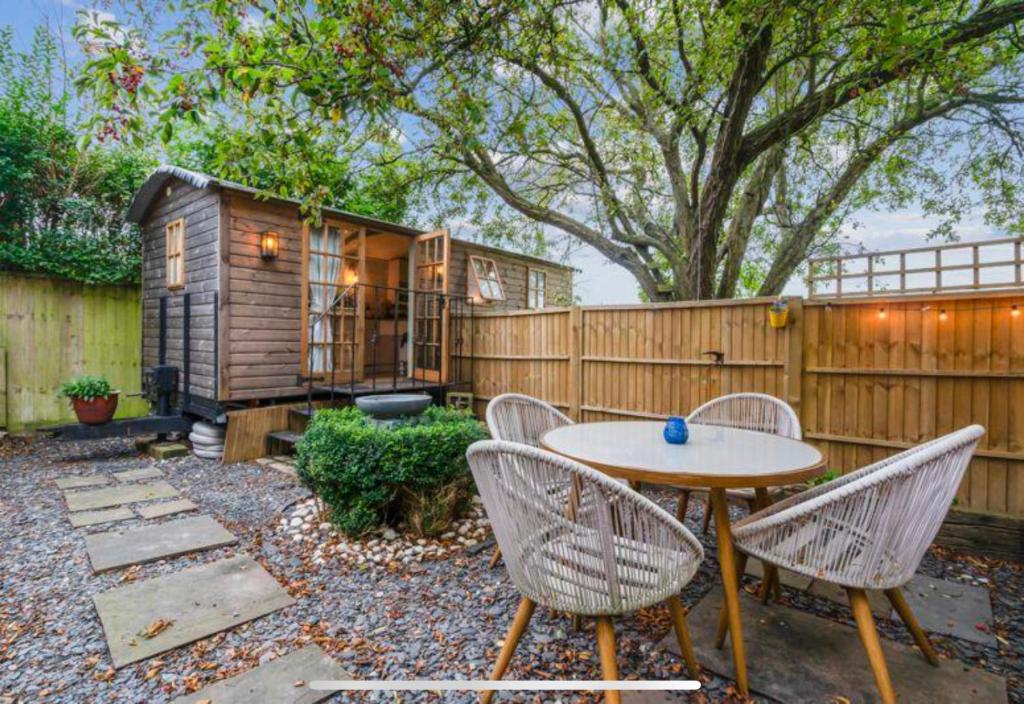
(961, 266)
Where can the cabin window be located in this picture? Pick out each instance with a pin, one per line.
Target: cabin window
(536, 285)
(488, 283)
(175, 232)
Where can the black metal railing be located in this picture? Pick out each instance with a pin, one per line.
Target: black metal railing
(410, 340)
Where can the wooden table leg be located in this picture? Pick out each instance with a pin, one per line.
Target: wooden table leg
(730, 586)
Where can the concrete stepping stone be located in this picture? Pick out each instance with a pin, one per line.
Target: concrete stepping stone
(880, 605)
(134, 475)
(90, 499)
(133, 546)
(104, 515)
(166, 508)
(76, 482)
(198, 602)
(951, 608)
(794, 656)
(274, 681)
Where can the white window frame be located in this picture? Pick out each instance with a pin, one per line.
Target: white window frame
(174, 234)
(485, 288)
(536, 297)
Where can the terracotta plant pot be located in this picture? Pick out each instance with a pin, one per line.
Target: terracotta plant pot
(97, 411)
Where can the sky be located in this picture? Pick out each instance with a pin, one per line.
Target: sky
(598, 281)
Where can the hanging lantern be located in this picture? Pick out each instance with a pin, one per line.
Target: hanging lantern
(269, 244)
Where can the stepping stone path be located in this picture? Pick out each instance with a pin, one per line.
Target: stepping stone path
(134, 475)
(793, 656)
(148, 618)
(134, 546)
(117, 495)
(276, 681)
(166, 508)
(197, 602)
(105, 515)
(78, 482)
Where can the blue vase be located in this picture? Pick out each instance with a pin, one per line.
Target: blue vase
(676, 432)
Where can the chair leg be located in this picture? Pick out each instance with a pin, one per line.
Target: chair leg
(707, 517)
(515, 632)
(684, 503)
(495, 558)
(675, 608)
(606, 651)
(920, 637)
(869, 638)
(723, 615)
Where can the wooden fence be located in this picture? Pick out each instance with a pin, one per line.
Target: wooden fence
(52, 330)
(867, 377)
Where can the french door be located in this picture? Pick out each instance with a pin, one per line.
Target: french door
(334, 262)
(430, 307)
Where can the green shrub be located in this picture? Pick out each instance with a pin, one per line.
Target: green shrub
(824, 478)
(85, 387)
(370, 475)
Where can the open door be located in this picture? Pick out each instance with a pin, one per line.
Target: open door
(333, 264)
(430, 307)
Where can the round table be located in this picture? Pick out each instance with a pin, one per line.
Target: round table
(715, 457)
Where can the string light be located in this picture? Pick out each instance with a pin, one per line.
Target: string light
(1015, 311)
(881, 313)
(942, 314)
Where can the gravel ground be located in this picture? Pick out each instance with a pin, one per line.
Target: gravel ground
(437, 618)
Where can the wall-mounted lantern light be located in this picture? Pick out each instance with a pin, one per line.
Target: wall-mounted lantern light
(269, 244)
(942, 314)
(1015, 311)
(881, 313)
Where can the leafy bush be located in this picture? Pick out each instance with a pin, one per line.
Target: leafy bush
(824, 478)
(86, 387)
(370, 475)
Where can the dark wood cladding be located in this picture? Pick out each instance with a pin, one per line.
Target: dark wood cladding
(263, 329)
(200, 210)
(257, 332)
(513, 270)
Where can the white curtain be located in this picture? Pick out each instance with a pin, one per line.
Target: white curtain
(324, 269)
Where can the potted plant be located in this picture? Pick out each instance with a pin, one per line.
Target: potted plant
(91, 397)
(778, 313)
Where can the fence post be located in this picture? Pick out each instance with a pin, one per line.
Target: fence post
(575, 366)
(792, 371)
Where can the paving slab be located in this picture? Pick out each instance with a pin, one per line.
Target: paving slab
(76, 482)
(199, 601)
(133, 546)
(274, 681)
(951, 608)
(167, 450)
(104, 515)
(879, 603)
(166, 508)
(117, 495)
(794, 656)
(134, 475)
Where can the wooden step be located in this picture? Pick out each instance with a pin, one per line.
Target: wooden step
(288, 437)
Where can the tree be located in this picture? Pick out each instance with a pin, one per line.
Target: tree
(61, 207)
(705, 147)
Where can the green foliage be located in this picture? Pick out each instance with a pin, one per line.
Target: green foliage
(61, 206)
(824, 478)
(639, 127)
(370, 475)
(86, 387)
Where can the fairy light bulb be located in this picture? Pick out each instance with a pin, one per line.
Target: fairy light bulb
(1015, 311)
(881, 313)
(942, 314)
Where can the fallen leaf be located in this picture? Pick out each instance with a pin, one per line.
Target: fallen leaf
(156, 628)
(299, 683)
(104, 676)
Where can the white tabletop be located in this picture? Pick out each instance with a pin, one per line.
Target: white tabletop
(714, 456)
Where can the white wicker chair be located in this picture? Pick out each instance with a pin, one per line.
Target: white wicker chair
(748, 411)
(866, 530)
(606, 551)
(523, 419)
